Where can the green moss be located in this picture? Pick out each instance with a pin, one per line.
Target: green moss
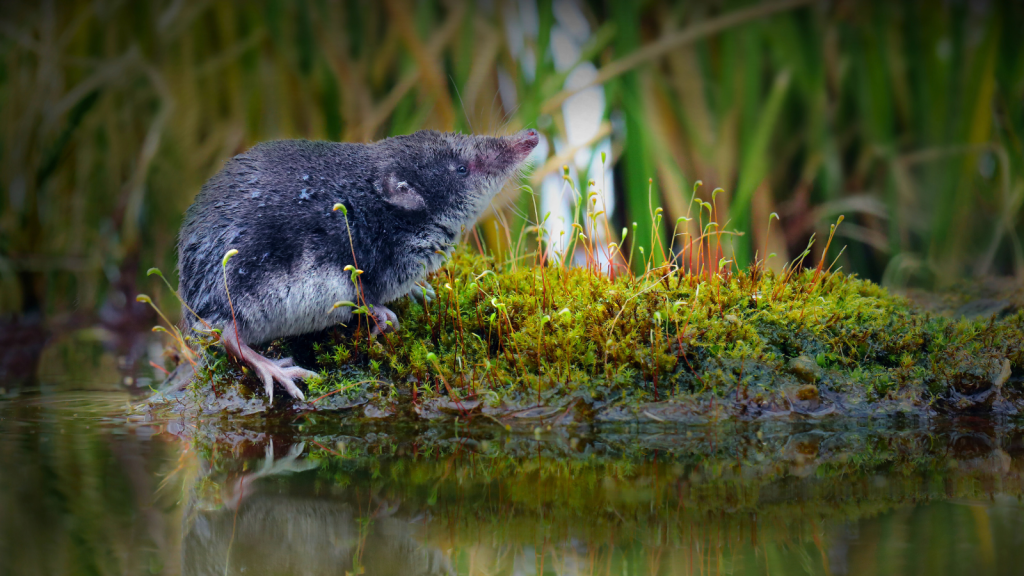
(501, 339)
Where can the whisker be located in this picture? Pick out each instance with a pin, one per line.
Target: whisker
(465, 114)
(507, 119)
(497, 92)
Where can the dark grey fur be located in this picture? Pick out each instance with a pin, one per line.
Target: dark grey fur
(406, 197)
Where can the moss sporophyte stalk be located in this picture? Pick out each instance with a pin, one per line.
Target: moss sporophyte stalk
(693, 342)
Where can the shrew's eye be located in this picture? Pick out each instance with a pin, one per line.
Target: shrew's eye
(462, 170)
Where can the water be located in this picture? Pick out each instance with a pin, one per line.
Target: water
(86, 487)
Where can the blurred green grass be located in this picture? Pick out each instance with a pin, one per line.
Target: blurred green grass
(904, 116)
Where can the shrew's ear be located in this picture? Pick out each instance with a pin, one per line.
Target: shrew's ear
(400, 194)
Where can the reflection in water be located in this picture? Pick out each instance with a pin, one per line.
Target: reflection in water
(85, 489)
(80, 491)
(268, 530)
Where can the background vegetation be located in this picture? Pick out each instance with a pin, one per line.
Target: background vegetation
(904, 116)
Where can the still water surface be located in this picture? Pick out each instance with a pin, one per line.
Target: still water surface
(88, 487)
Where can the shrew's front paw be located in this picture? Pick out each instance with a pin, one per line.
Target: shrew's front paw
(421, 292)
(384, 320)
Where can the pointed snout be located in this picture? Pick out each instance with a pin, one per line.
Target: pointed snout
(502, 155)
(523, 142)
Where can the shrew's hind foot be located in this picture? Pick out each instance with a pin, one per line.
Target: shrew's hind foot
(283, 371)
(382, 316)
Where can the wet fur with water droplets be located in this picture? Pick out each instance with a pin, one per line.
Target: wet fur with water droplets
(407, 199)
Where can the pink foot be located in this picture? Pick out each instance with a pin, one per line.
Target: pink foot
(383, 315)
(284, 371)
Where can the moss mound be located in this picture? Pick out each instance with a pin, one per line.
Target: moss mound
(569, 343)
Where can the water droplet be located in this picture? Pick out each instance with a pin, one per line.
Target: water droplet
(305, 177)
(304, 194)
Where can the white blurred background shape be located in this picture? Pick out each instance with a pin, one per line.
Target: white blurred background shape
(583, 115)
